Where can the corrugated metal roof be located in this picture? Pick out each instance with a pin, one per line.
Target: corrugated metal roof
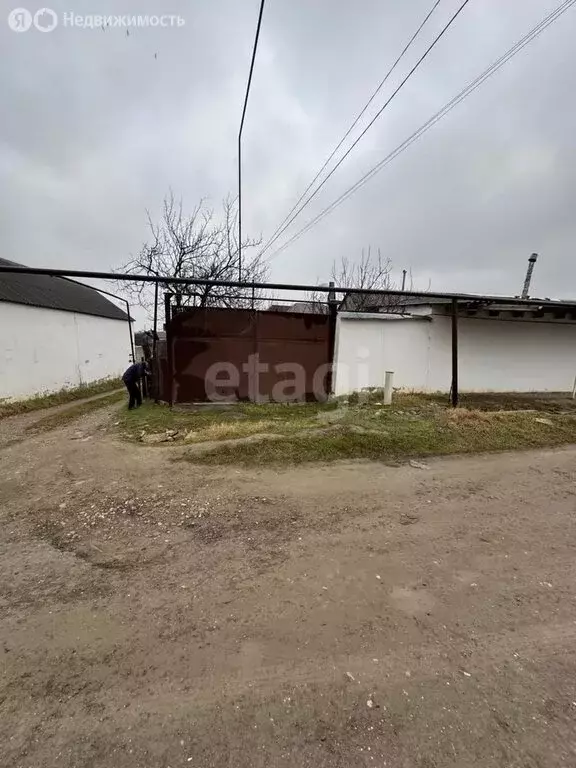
(55, 293)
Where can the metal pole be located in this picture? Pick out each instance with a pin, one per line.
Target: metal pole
(120, 298)
(454, 389)
(169, 350)
(240, 203)
(240, 140)
(474, 299)
(403, 279)
(531, 262)
(130, 331)
(167, 310)
(333, 319)
(131, 334)
(155, 337)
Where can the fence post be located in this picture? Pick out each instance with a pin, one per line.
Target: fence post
(169, 349)
(333, 316)
(454, 388)
(155, 337)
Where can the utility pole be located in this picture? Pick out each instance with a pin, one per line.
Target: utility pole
(333, 317)
(404, 278)
(240, 141)
(240, 202)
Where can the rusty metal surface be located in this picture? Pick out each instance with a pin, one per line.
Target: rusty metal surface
(242, 339)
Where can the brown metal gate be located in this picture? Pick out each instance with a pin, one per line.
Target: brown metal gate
(240, 354)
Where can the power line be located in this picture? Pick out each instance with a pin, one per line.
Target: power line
(370, 124)
(240, 139)
(492, 69)
(354, 123)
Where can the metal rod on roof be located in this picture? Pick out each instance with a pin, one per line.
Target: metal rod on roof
(131, 339)
(130, 331)
(531, 262)
(470, 297)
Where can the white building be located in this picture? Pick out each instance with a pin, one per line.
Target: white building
(502, 346)
(56, 333)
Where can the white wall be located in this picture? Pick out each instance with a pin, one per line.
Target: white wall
(511, 355)
(494, 355)
(44, 350)
(368, 345)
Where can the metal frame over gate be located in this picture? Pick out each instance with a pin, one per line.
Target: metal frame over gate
(456, 299)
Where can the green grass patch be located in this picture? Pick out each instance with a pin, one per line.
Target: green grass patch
(240, 420)
(68, 415)
(400, 438)
(485, 401)
(360, 427)
(62, 397)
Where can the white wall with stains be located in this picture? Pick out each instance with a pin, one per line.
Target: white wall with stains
(44, 350)
(495, 354)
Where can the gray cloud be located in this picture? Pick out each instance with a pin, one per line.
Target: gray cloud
(95, 128)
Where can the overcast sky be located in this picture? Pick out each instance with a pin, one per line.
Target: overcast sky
(96, 125)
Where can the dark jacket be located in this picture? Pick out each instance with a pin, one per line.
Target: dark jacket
(134, 373)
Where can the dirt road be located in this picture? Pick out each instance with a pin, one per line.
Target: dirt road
(159, 614)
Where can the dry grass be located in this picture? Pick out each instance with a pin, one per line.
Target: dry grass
(62, 397)
(68, 415)
(415, 425)
(472, 415)
(226, 430)
(243, 420)
(400, 437)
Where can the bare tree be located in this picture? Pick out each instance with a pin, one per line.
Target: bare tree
(200, 246)
(370, 272)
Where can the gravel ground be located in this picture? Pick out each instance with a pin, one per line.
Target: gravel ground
(157, 613)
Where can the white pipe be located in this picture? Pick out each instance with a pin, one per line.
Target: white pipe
(574, 389)
(388, 381)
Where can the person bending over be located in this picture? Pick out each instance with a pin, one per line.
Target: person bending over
(131, 379)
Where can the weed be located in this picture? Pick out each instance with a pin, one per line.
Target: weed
(402, 438)
(360, 427)
(64, 417)
(58, 398)
(241, 420)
